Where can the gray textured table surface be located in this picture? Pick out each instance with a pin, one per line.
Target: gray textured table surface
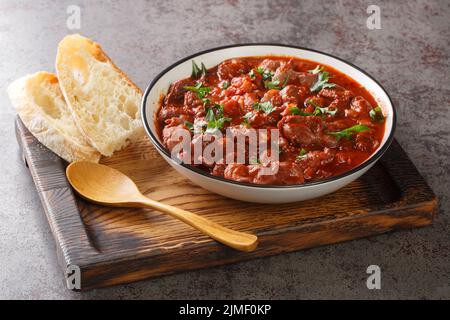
(409, 55)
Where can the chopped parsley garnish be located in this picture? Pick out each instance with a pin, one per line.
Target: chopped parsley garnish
(322, 79)
(225, 85)
(246, 117)
(296, 111)
(254, 160)
(272, 84)
(318, 111)
(189, 125)
(215, 118)
(316, 70)
(266, 107)
(267, 78)
(376, 114)
(348, 133)
(199, 89)
(302, 154)
(324, 111)
(197, 71)
(266, 74)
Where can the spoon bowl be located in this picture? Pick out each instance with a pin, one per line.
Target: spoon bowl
(107, 186)
(101, 184)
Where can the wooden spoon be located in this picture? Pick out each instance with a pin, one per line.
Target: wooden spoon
(104, 185)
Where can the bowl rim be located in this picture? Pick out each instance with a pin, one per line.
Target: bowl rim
(163, 150)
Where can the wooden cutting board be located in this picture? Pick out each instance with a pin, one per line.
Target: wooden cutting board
(120, 245)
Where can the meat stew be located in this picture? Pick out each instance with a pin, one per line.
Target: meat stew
(327, 122)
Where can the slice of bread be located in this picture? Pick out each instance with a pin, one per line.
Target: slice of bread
(42, 108)
(105, 103)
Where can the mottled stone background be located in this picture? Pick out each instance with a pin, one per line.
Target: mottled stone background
(409, 55)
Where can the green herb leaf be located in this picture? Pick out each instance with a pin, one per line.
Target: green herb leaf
(266, 74)
(260, 70)
(316, 70)
(209, 115)
(246, 117)
(252, 74)
(215, 119)
(302, 154)
(319, 110)
(225, 85)
(322, 79)
(266, 107)
(272, 84)
(199, 89)
(348, 133)
(204, 71)
(296, 111)
(197, 71)
(324, 111)
(376, 114)
(189, 125)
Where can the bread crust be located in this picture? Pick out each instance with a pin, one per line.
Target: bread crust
(39, 123)
(67, 47)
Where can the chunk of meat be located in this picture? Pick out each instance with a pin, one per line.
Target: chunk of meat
(177, 91)
(260, 119)
(300, 130)
(249, 100)
(231, 107)
(232, 68)
(270, 64)
(273, 96)
(243, 84)
(191, 99)
(339, 104)
(287, 173)
(337, 92)
(172, 135)
(174, 111)
(219, 169)
(237, 172)
(306, 78)
(360, 105)
(365, 141)
(285, 74)
(208, 150)
(341, 98)
(339, 125)
(314, 160)
(294, 94)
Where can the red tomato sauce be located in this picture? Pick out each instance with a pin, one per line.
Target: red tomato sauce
(328, 123)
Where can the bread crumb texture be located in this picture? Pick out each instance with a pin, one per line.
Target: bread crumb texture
(103, 100)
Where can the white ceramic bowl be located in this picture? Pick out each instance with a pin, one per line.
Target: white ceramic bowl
(252, 192)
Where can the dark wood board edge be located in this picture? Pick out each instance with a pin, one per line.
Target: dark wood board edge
(59, 203)
(102, 270)
(120, 272)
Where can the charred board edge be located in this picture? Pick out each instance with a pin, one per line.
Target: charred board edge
(61, 210)
(99, 270)
(114, 272)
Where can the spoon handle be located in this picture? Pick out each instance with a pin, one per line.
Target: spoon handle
(235, 239)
